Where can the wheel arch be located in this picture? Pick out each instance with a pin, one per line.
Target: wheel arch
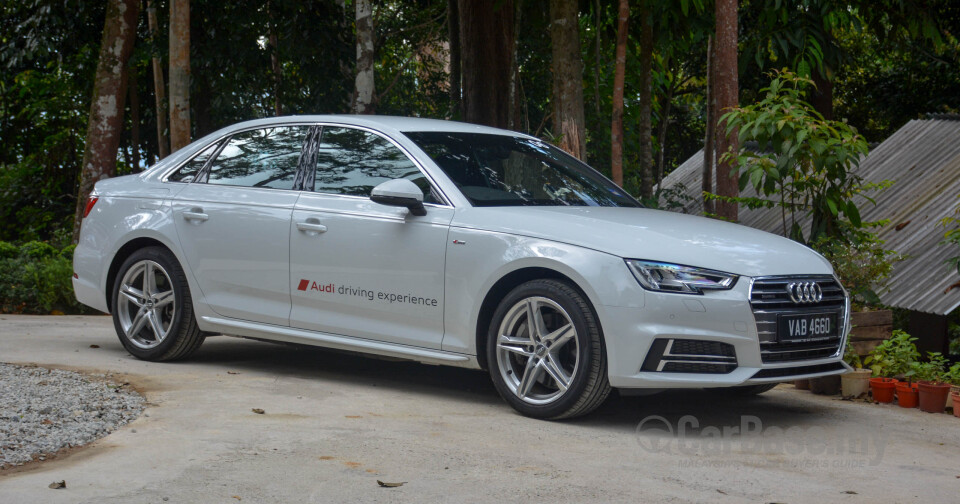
(510, 281)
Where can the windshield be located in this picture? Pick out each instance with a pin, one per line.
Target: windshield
(501, 170)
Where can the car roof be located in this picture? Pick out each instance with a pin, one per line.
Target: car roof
(396, 123)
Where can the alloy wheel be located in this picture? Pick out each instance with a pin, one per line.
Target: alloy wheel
(145, 304)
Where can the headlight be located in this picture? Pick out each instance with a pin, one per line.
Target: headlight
(665, 277)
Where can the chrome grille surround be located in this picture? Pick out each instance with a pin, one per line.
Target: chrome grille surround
(771, 296)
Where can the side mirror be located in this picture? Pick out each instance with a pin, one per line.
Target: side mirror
(400, 192)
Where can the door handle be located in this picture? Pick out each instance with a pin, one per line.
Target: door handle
(312, 226)
(195, 214)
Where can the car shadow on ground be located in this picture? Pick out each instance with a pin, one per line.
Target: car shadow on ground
(709, 406)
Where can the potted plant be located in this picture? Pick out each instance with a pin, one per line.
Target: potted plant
(933, 389)
(854, 383)
(953, 378)
(889, 359)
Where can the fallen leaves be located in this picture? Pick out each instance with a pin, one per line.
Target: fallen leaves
(258, 411)
(390, 485)
(94, 346)
(233, 372)
(57, 485)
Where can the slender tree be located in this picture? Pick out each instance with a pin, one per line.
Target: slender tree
(568, 116)
(159, 87)
(453, 35)
(646, 100)
(275, 60)
(105, 123)
(709, 144)
(364, 86)
(619, 74)
(486, 51)
(179, 74)
(726, 94)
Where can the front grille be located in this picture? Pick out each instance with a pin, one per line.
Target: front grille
(769, 298)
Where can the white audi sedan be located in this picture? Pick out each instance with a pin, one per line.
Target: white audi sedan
(450, 243)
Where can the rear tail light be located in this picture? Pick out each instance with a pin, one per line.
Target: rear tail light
(91, 200)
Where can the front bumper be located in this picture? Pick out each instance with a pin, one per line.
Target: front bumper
(725, 317)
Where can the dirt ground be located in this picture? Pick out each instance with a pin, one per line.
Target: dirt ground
(334, 424)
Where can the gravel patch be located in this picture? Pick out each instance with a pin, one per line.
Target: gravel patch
(44, 410)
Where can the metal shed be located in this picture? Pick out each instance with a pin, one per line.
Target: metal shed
(923, 160)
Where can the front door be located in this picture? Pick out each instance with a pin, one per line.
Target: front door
(358, 268)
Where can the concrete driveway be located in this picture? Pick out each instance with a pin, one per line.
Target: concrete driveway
(336, 423)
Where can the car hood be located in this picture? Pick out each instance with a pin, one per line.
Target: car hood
(641, 233)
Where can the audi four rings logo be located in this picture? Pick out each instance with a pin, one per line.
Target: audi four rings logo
(805, 292)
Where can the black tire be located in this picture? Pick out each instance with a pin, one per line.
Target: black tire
(561, 305)
(177, 322)
(749, 390)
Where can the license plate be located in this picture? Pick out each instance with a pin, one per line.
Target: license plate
(807, 327)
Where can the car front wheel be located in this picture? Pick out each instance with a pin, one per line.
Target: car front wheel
(152, 308)
(545, 351)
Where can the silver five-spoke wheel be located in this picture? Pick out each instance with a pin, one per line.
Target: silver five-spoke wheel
(145, 304)
(537, 350)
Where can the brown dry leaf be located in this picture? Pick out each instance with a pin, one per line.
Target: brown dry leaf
(94, 346)
(46, 421)
(721, 491)
(233, 372)
(850, 492)
(56, 485)
(353, 416)
(236, 497)
(258, 411)
(390, 485)
(326, 457)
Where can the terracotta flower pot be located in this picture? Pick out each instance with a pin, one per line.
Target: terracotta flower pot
(855, 383)
(882, 389)
(802, 384)
(933, 396)
(907, 395)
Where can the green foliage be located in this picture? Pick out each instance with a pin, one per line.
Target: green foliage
(894, 356)
(952, 376)
(803, 164)
(36, 278)
(861, 263)
(932, 370)
(851, 357)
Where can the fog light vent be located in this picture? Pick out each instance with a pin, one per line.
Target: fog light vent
(690, 356)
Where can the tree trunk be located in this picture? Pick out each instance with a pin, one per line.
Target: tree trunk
(597, 61)
(179, 74)
(726, 90)
(662, 133)
(620, 69)
(364, 87)
(646, 101)
(711, 127)
(134, 96)
(275, 63)
(453, 35)
(159, 88)
(568, 121)
(486, 51)
(105, 124)
(822, 97)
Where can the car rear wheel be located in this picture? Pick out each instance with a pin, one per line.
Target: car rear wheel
(546, 352)
(152, 308)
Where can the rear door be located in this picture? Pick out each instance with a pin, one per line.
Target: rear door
(362, 269)
(234, 223)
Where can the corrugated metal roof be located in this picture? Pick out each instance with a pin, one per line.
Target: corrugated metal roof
(923, 160)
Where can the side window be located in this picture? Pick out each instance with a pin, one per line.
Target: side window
(260, 158)
(188, 172)
(353, 162)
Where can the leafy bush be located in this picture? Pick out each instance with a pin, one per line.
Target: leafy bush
(36, 278)
(862, 265)
(894, 356)
(933, 370)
